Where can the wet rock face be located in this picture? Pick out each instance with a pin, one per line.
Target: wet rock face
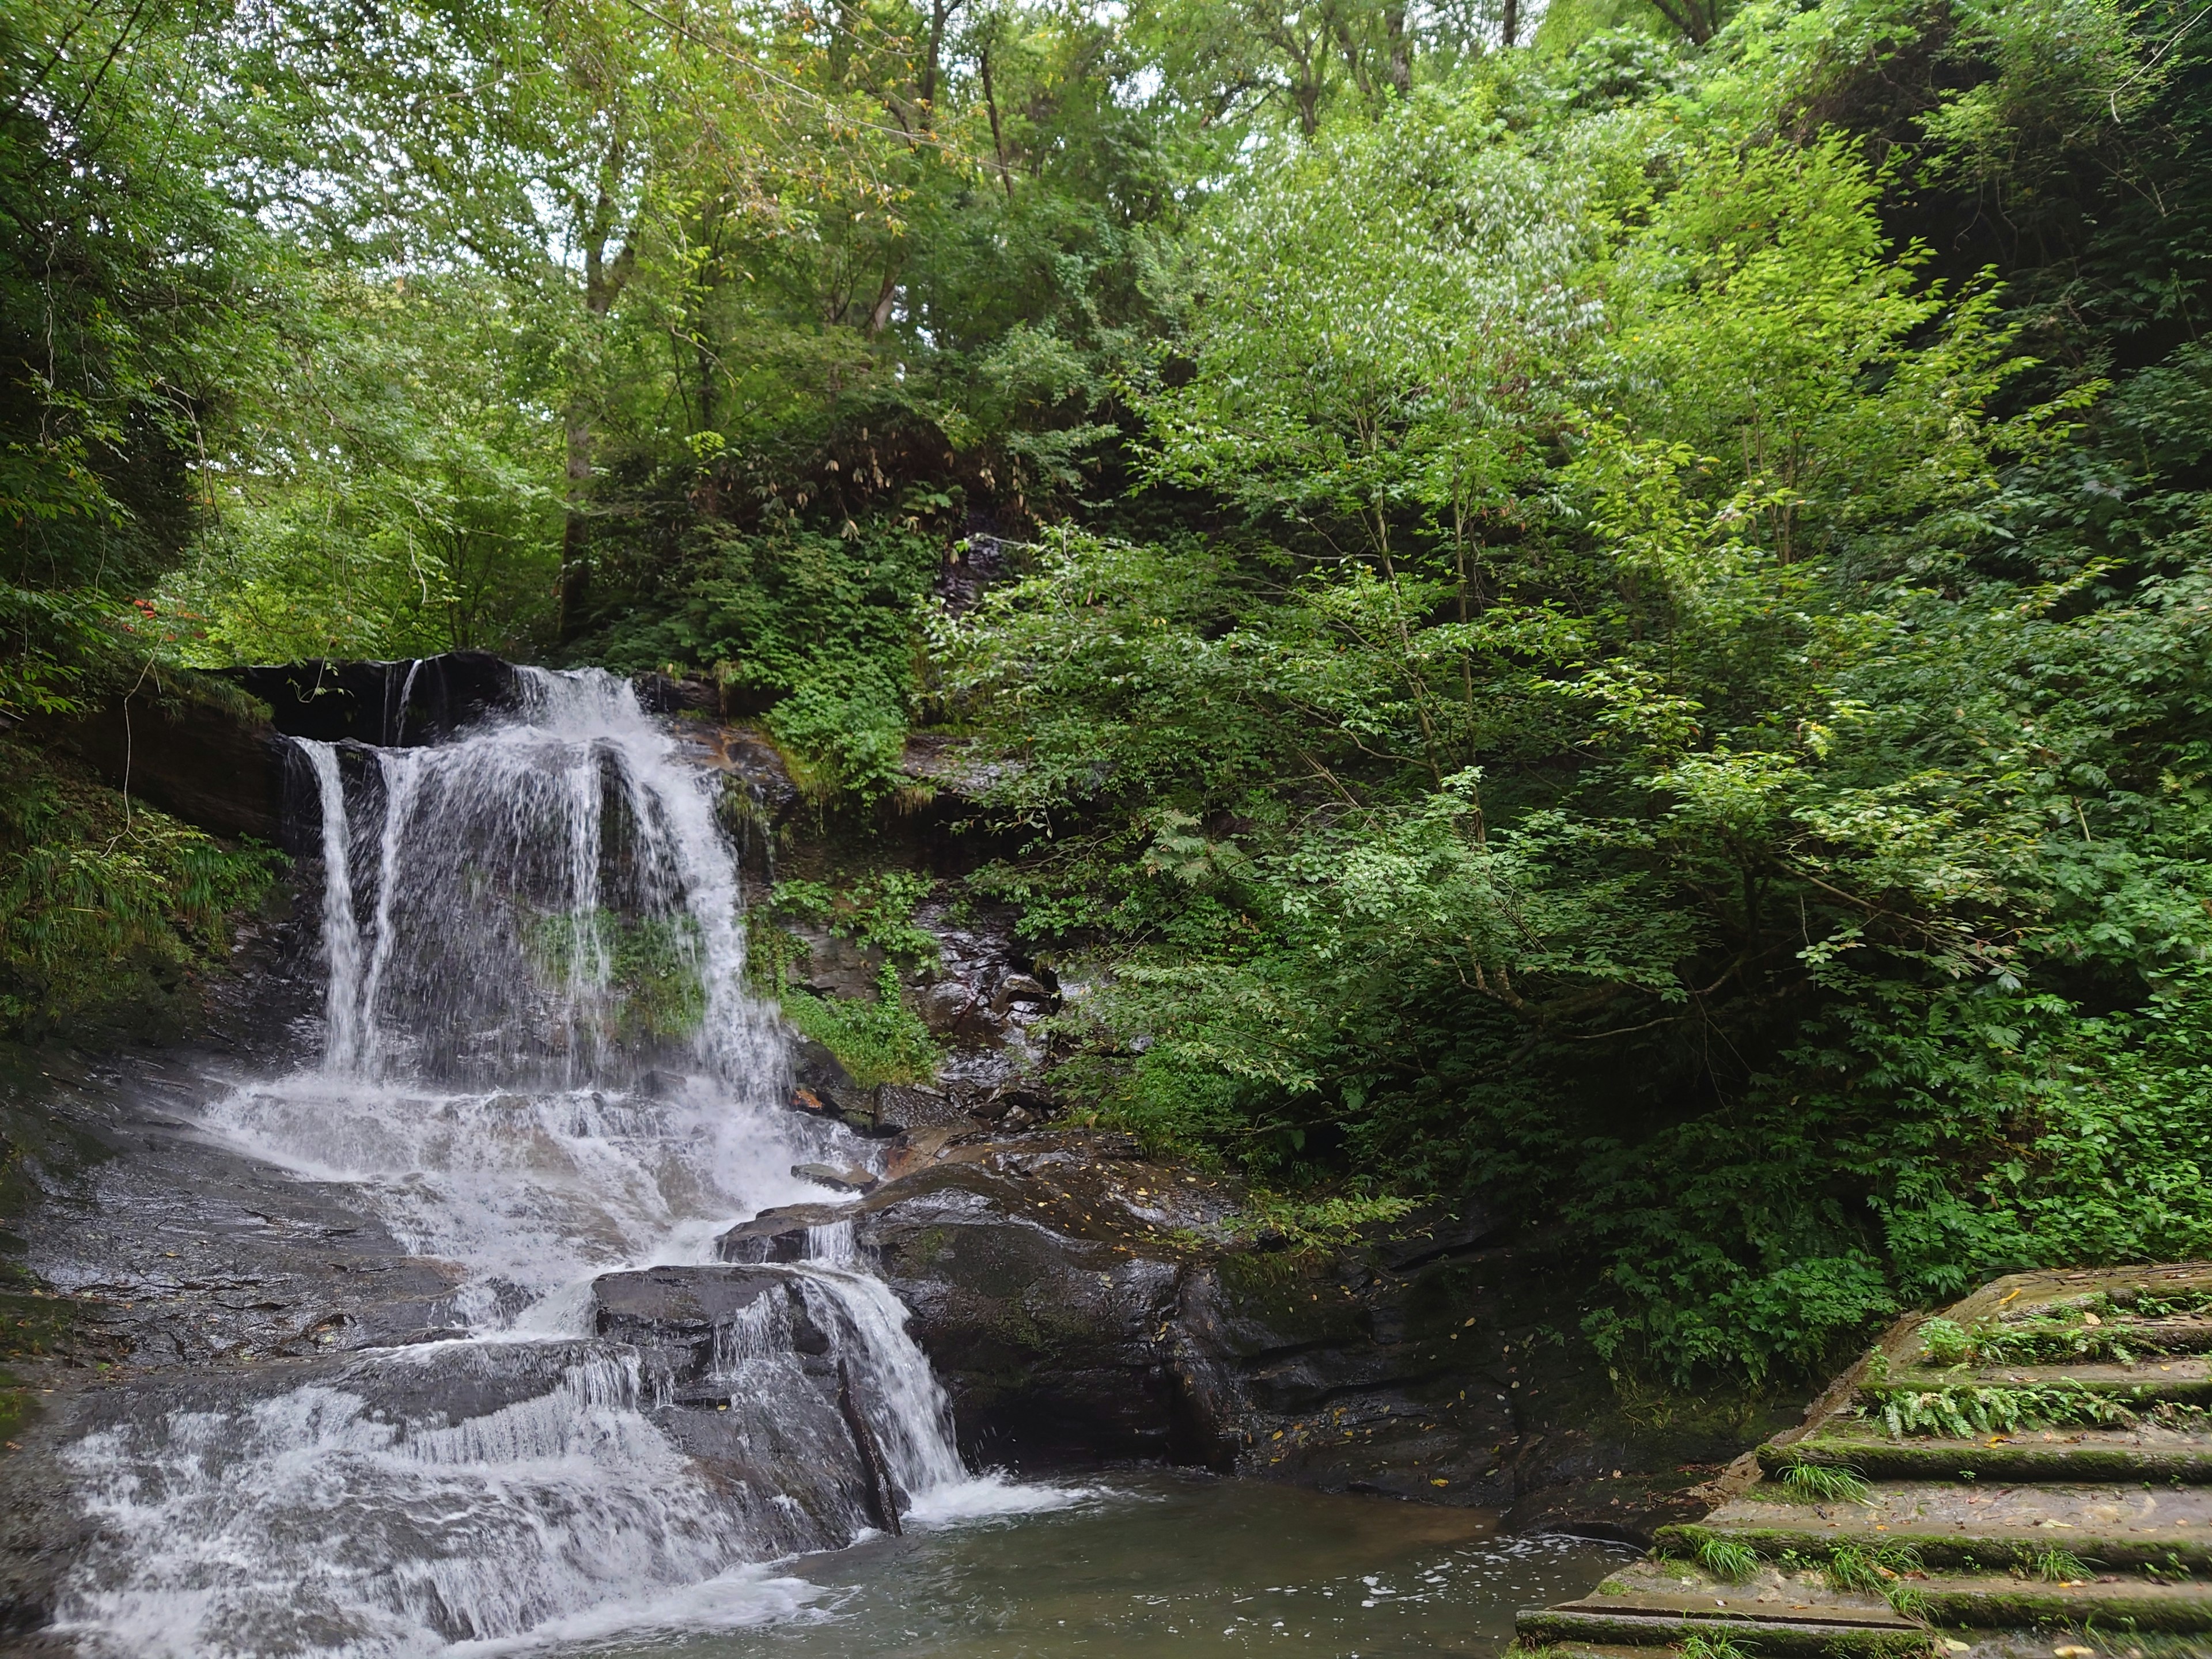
(209, 765)
(1079, 1302)
(1037, 1282)
(983, 999)
(678, 1317)
(708, 1338)
(1063, 1289)
(383, 702)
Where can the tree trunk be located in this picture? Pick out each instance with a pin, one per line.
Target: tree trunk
(1510, 32)
(604, 281)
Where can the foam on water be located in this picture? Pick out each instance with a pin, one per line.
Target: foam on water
(540, 1065)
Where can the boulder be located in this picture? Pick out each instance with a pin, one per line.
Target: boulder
(1081, 1302)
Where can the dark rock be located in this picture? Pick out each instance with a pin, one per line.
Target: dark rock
(671, 1316)
(780, 1344)
(780, 1233)
(384, 703)
(1079, 1302)
(1043, 1330)
(902, 1106)
(840, 1180)
(212, 763)
(837, 966)
(657, 694)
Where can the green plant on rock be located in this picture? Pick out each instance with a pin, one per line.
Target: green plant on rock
(1318, 1223)
(2058, 1566)
(108, 909)
(1728, 1558)
(1825, 1483)
(1875, 1568)
(1943, 1343)
(2094, 1329)
(647, 970)
(2172, 1570)
(1700, 1645)
(1961, 1412)
(875, 910)
(879, 1041)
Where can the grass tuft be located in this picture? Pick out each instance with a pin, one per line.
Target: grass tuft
(1825, 1483)
(2055, 1566)
(1726, 1559)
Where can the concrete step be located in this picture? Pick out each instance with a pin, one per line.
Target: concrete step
(1965, 1526)
(1586, 1627)
(2106, 1603)
(2074, 1456)
(2184, 1380)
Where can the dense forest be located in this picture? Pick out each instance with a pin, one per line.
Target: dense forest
(1607, 608)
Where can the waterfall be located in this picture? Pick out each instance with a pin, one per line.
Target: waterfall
(540, 1067)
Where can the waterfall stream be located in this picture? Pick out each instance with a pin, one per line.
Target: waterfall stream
(540, 1068)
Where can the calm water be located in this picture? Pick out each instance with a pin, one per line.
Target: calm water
(1151, 1565)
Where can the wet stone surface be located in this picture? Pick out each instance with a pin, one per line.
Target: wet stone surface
(1081, 1302)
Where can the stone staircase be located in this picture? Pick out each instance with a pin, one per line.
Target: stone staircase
(2027, 1473)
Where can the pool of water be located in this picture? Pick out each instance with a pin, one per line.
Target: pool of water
(1147, 1564)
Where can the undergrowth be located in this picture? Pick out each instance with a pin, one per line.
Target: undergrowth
(1960, 1411)
(110, 912)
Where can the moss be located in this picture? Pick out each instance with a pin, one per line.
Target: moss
(1910, 1459)
(1937, 1550)
(2047, 1607)
(876, 1043)
(1606, 1628)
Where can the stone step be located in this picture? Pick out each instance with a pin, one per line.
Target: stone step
(1956, 1552)
(2071, 1456)
(1994, 1603)
(2184, 1379)
(1586, 1626)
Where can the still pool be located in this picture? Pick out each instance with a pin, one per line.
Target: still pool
(1145, 1565)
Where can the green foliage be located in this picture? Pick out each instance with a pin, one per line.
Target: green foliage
(874, 908)
(2056, 1566)
(1961, 1412)
(878, 1042)
(1700, 1645)
(1824, 1483)
(882, 1040)
(111, 913)
(1728, 1560)
(1666, 737)
(1615, 627)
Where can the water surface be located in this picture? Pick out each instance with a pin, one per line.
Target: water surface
(1146, 1563)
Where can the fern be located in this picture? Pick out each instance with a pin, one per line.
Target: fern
(1961, 1412)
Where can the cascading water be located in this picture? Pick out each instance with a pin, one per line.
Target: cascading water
(541, 1068)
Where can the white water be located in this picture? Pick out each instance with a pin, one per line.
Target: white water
(540, 1065)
